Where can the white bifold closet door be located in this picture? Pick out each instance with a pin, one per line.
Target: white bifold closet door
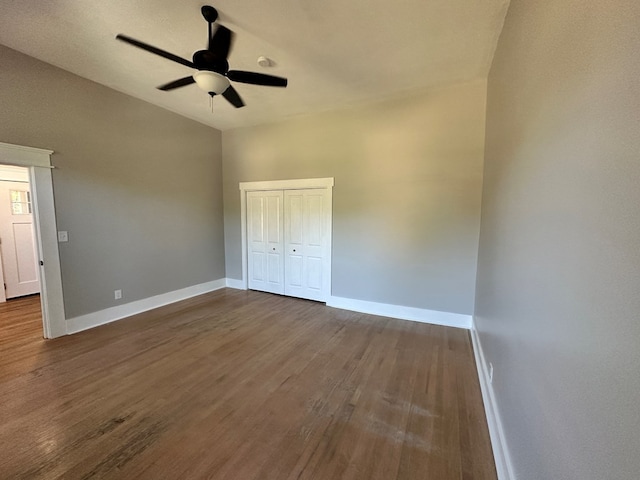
(265, 241)
(288, 240)
(306, 238)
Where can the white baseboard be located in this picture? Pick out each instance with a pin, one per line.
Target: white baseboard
(237, 284)
(112, 314)
(404, 313)
(498, 441)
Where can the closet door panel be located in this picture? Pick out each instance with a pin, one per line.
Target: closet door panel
(265, 234)
(294, 262)
(306, 239)
(314, 275)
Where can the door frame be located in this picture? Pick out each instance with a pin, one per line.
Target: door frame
(297, 184)
(38, 162)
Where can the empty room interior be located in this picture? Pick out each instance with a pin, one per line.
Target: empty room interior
(332, 240)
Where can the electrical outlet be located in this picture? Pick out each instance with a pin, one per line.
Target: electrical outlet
(490, 372)
(117, 294)
(63, 236)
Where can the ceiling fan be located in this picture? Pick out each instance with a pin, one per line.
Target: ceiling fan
(213, 73)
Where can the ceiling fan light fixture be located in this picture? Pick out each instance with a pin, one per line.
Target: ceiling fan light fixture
(211, 81)
(211, 66)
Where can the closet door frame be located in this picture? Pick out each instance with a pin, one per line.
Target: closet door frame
(298, 184)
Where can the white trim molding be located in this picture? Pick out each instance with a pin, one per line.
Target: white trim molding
(51, 294)
(501, 455)
(22, 156)
(233, 283)
(446, 319)
(296, 184)
(38, 161)
(108, 315)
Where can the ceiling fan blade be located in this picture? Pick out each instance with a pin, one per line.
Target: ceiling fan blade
(220, 42)
(232, 95)
(256, 78)
(157, 51)
(183, 82)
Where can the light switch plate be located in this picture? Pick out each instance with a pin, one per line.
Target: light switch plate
(63, 236)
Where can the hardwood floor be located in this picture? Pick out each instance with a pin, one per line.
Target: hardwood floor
(242, 385)
(20, 322)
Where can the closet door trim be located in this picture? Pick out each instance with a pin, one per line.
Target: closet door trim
(298, 184)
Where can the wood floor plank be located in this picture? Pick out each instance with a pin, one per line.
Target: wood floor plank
(240, 385)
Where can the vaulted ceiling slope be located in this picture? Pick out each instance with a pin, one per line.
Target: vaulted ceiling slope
(334, 53)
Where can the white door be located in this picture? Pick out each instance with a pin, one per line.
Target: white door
(265, 241)
(306, 241)
(17, 240)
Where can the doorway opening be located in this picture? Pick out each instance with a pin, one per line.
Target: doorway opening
(42, 268)
(19, 272)
(19, 260)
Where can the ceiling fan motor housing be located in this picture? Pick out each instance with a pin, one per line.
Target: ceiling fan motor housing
(206, 60)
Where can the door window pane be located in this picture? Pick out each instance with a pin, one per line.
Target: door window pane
(20, 202)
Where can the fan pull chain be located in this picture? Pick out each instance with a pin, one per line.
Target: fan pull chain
(211, 103)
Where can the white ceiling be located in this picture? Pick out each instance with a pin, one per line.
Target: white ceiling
(333, 52)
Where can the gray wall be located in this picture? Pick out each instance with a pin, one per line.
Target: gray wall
(138, 187)
(406, 209)
(558, 293)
